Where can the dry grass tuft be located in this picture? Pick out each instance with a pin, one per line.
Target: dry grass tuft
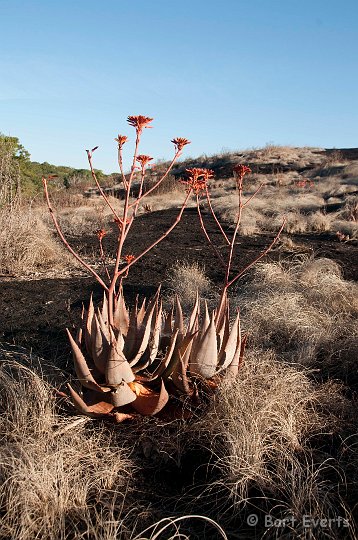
(259, 431)
(186, 280)
(306, 312)
(58, 475)
(26, 245)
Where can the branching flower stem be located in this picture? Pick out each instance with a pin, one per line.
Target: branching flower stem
(164, 235)
(125, 218)
(124, 229)
(61, 235)
(176, 156)
(208, 198)
(232, 281)
(120, 164)
(203, 228)
(94, 176)
(103, 259)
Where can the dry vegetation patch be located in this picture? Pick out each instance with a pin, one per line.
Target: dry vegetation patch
(260, 429)
(60, 478)
(26, 245)
(306, 312)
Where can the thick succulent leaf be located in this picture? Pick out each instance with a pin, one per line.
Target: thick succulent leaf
(224, 333)
(182, 345)
(102, 408)
(179, 372)
(117, 368)
(230, 348)
(131, 338)
(104, 325)
(141, 313)
(178, 317)
(149, 402)
(193, 324)
(186, 350)
(100, 346)
(220, 315)
(156, 329)
(121, 315)
(82, 370)
(202, 328)
(104, 311)
(79, 334)
(89, 327)
(172, 356)
(116, 336)
(180, 377)
(122, 395)
(143, 336)
(233, 368)
(155, 299)
(206, 356)
(206, 320)
(165, 362)
(168, 322)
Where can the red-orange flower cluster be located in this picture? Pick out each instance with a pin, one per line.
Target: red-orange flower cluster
(139, 122)
(121, 139)
(241, 170)
(101, 233)
(239, 173)
(196, 179)
(129, 258)
(144, 160)
(179, 143)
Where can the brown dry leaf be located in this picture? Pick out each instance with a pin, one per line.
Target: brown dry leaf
(149, 402)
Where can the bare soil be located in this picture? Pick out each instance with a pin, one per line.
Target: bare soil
(34, 312)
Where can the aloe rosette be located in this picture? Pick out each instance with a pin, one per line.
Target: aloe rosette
(145, 358)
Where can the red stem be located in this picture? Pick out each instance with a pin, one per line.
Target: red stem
(214, 215)
(203, 228)
(123, 270)
(124, 231)
(260, 256)
(120, 163)
(252, 196)
(61, 235)
(89, 156)
(103, 259)
(177, 154)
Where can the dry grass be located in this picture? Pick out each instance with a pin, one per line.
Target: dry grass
(306, 312)
(260, 446)
(186, 280)
(26, 245)
(260, 432)
(58, 474)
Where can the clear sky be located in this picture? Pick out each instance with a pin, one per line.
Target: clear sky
(226, 74)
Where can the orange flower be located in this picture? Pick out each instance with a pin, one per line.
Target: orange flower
(129, 258)
(121, 139)
(197, 179)
(144, 160)
(139, 122)
(101, 233)
(241, 170)
(239, 173)
(179, 143)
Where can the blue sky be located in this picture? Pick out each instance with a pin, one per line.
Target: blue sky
(226, 75)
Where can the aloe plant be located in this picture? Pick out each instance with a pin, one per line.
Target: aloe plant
(134, 365)
(132, 362)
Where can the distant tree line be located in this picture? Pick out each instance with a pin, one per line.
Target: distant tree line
(19, 176)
